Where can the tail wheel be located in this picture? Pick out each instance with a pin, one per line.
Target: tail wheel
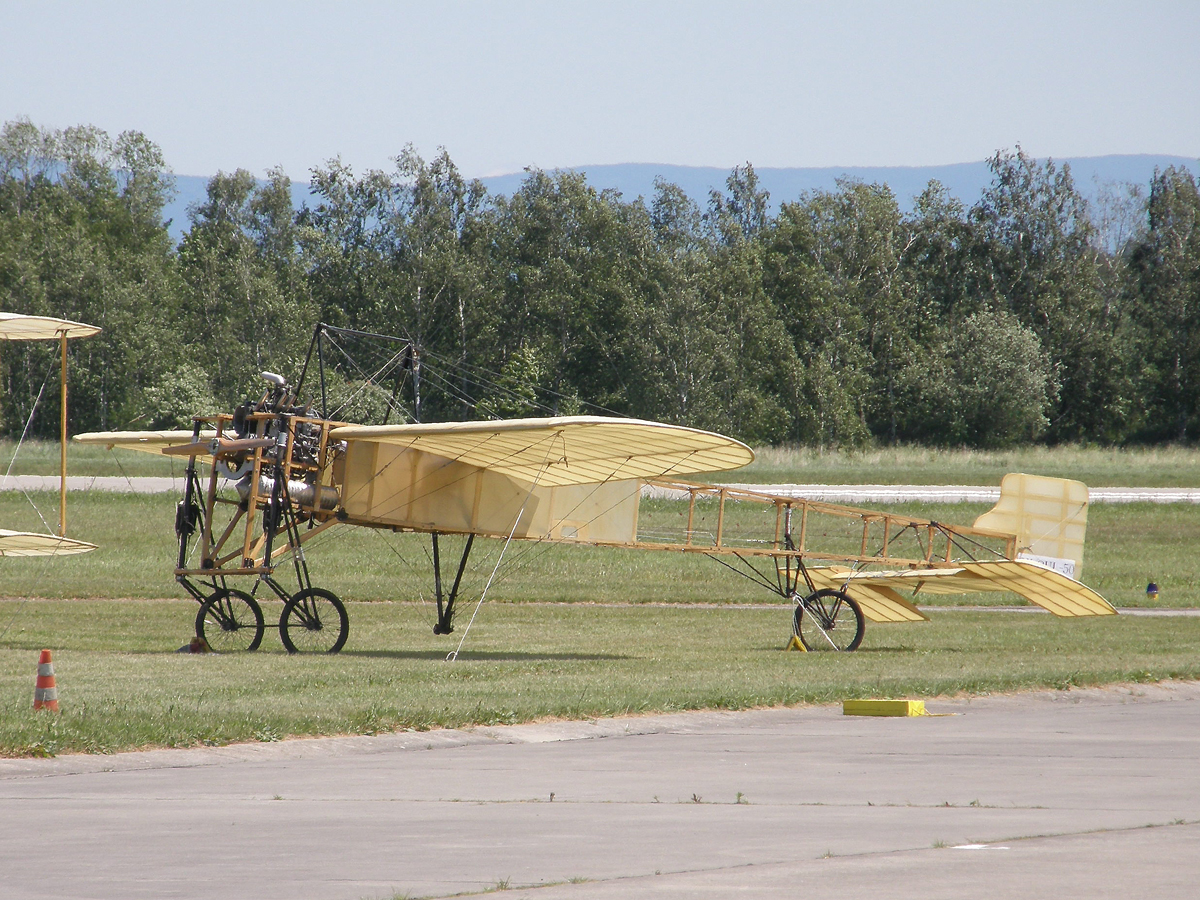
(230, 621)
(829, 620)
(314, 621)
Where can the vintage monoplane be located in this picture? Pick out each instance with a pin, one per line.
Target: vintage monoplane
(281, 471)
(17, 327)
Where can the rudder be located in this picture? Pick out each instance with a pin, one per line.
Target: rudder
(1048, 516)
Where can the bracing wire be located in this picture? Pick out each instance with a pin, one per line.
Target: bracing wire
(486, 378)
(451, 657)
(369, 380)
(21, 441)
(453, 380)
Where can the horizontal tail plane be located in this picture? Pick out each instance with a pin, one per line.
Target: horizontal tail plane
(1048, 517)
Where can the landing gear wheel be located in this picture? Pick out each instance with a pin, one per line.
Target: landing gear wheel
(230, 621)
(314, 621)
(828, 620)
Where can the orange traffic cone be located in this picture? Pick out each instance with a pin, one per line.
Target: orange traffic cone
(45, 693)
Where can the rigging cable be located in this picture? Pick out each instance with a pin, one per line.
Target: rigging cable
(451, 657)
(21, 441)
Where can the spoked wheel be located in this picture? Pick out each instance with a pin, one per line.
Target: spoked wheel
(314, 621)
(230, 621)
(828, 620)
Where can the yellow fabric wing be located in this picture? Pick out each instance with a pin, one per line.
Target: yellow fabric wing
(878, 602)
(1038, 584)
(146, 441)
(25, 543)
(565, 451)
(16, 327)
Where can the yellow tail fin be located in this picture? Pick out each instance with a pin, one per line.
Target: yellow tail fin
(1048, 516)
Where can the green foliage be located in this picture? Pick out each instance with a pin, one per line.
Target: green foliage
(177, 396)
(837, 322)
(245, 307)
(984, 383)
(82, 237)
(1040, 264)
(515, 395)
(1167, 267)
(673, 351)
(835, 273)
(569, 269)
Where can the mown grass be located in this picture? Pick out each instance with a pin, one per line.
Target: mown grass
(119, 690)
(1169, 466)
(1094, 466)
(1128, 545)
(42, 458)
(653, 647)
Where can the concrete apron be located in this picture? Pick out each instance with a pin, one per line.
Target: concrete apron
(1081, 793)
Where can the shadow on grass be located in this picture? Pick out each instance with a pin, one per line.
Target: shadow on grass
(906, 650)
(464, 656)
(861, 651)
(482, 655)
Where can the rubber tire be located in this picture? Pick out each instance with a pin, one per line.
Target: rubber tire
(221, 620)
(847, 621)
(305, 615)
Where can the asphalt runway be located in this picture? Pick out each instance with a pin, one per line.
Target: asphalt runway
(1081, 793)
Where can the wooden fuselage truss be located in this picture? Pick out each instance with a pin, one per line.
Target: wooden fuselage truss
(278, 476)
(278, 467)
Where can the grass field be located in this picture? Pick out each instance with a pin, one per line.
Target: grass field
(1127, 546)
(1095, 466)
(42, 458)
(568, 632)
(118, 688)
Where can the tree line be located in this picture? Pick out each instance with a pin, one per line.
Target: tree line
(837, 320)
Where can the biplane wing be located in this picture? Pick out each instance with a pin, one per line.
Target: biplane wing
(17, 327)
(878, 592)
(27, 543)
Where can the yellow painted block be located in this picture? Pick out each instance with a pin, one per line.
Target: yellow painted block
(883, 708)
(796, 645)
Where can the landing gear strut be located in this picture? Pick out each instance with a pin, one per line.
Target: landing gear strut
(445, 605)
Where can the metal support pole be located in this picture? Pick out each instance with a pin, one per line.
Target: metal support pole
(62, 496)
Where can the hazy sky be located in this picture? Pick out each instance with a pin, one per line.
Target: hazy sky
(505, 85)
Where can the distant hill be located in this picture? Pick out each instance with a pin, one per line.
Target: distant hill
(966, 181)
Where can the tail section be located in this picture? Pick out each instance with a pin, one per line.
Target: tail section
(1048, 516)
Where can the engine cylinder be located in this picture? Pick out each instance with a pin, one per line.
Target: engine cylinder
(320, 496)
